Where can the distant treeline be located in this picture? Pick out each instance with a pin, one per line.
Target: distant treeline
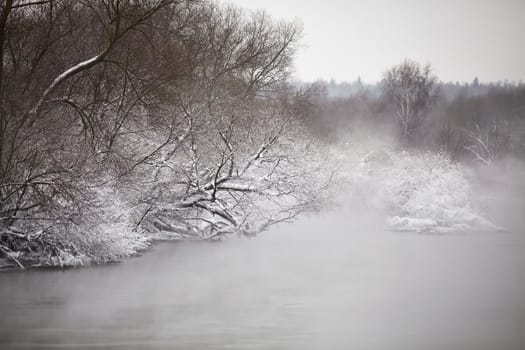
(479, 121)
(448, 90)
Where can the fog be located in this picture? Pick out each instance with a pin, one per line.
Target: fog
(166, 183)
(337, 279)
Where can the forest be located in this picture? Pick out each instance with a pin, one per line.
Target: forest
(123, 122)
(468, 122)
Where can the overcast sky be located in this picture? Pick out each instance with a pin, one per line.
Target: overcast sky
(461, 39)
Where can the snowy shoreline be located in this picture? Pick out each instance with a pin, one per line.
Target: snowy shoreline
(420, 192)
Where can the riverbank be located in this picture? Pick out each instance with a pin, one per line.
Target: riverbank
(418, 192)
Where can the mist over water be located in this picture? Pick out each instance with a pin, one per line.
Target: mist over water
(337, 280)
(171, 136)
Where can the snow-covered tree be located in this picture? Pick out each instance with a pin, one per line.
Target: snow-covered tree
(174, 111)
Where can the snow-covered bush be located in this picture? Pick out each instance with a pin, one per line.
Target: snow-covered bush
(105, 233)
(421, 192)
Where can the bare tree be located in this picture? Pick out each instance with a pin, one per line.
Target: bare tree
(412, 90)
(177, 108)
(72, 80)
(241, 162)
(247, 171)
(487, 143)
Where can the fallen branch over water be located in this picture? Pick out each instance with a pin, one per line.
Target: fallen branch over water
(11, 255)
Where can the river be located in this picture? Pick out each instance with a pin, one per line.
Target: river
(337, 280)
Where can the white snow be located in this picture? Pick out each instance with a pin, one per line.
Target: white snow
(421, 192)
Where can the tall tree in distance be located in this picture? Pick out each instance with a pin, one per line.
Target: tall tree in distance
(411, 89)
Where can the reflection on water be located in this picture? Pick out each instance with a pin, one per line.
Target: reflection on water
(337, 281)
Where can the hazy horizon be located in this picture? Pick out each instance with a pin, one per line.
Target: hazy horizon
(344, 40)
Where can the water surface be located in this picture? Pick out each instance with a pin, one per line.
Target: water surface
(335, 281)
